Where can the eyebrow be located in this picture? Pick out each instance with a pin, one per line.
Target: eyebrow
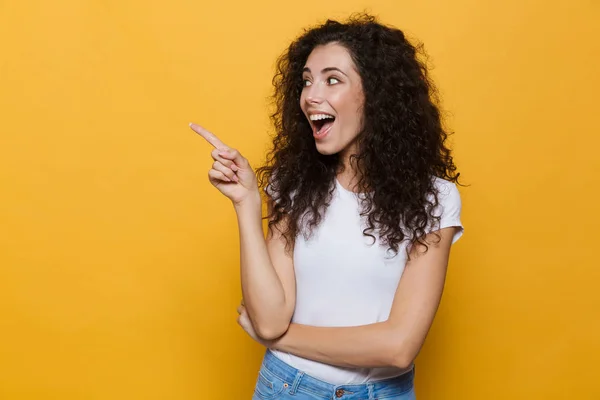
(306, 69)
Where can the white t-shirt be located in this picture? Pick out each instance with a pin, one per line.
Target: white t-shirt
(342, 279)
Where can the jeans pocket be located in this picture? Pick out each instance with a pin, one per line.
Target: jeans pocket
(269, 386)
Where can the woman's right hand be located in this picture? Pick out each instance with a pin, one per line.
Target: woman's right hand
(231, 173)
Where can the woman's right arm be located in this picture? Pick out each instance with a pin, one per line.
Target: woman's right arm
(266, 270)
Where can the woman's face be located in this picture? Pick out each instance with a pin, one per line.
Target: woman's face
(332, 99)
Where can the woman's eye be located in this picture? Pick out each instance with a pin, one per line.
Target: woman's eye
(306, 82)
(333, 81)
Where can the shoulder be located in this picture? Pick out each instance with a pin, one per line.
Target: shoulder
(448, 193)
(448, 209)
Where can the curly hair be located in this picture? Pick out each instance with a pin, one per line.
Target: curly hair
(401, 145)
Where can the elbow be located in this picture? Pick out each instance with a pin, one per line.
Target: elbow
(271, 331)
(400, 351)
(400, 354)
(402, 362)
(267, 327)
(401, 358)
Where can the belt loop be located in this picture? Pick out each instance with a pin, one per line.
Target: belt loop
(296, 382)
(370, 390)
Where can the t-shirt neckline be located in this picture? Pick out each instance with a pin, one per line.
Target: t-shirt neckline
(339, 184)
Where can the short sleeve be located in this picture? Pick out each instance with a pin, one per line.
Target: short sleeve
(449, 208)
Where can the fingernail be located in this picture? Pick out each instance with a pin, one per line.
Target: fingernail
(235, 178)
(234, 168)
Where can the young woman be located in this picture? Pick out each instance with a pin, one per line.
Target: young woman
(363, 209)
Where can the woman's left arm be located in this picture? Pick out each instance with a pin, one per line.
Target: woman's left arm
(395, 342)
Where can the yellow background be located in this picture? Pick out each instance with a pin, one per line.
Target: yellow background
(119, 261)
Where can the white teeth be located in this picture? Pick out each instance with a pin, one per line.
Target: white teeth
(316, 117)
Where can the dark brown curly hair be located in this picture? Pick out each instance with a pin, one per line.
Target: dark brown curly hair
(401, 146)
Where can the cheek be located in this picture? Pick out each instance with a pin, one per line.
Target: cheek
(356, 105)
(349, 107)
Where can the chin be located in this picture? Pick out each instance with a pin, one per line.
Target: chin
(326, 150)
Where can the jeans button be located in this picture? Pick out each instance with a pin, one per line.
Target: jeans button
(339, 393)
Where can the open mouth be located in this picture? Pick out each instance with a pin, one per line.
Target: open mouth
(321, 123)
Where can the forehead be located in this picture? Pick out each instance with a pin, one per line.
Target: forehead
(330, 55)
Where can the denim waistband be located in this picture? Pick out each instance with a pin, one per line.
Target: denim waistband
(298, 380)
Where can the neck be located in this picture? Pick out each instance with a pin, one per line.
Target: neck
(348, 176)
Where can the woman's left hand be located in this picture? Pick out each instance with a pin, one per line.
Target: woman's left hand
(244, 321)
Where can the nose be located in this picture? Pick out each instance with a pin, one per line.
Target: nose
(314, 100)
(314, 94)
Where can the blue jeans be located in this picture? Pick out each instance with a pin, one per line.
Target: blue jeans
(278, 380)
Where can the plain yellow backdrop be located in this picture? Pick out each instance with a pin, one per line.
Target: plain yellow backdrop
(119, 262)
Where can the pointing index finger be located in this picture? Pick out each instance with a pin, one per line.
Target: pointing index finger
(209, 137)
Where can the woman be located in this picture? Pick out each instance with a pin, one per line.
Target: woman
(363, 209)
